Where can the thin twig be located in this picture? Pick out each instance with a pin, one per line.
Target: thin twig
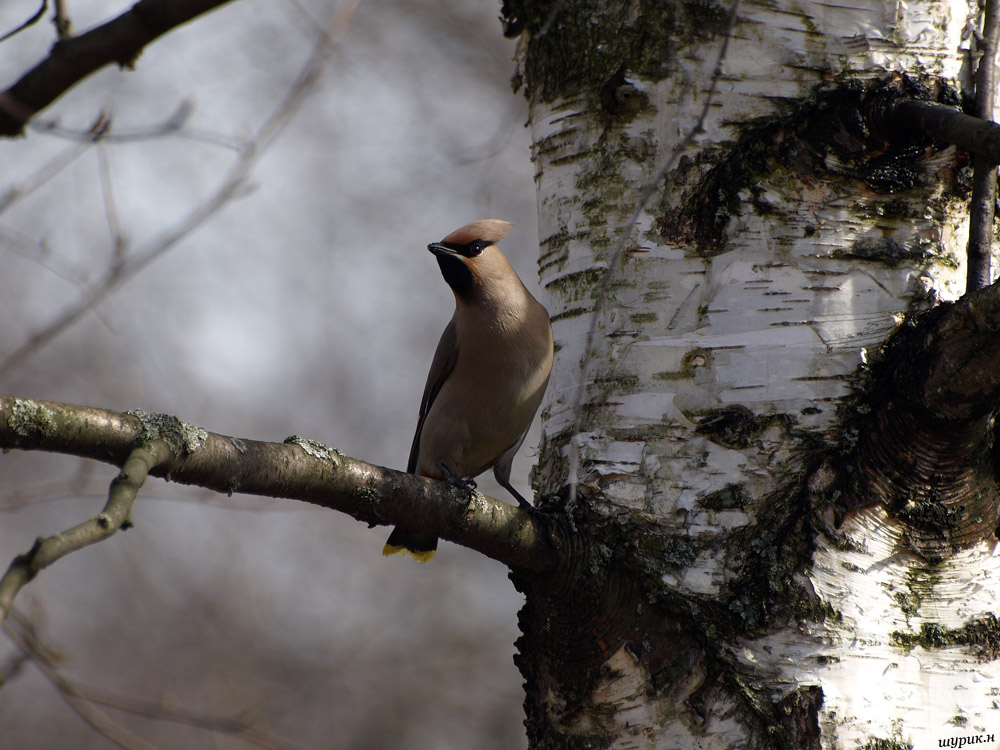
(97, 719)
(30, 22)
(984, 180)
(644, 197)
(12, 667)
(50, 492)
(114, 516)
(118, 273)
(64, 27)
(173, 124)
(37, 251)
(110, 213)
(34, 650)
(41, 176)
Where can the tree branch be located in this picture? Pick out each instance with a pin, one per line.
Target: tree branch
(965, 131)
(72, 59)
(297, 469)
(114, 516)
(984, 180)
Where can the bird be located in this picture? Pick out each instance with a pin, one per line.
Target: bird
(488, 375)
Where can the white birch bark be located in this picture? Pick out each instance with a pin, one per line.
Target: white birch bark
(775, 322)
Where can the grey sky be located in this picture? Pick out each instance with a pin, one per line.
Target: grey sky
(308, 306)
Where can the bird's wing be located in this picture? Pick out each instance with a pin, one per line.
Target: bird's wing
(445, 357)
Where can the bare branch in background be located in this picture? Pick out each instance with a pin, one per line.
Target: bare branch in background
(118, 241)
(20, 633)
(64, 27)
(38, 251)
(12, 667)
(174, 124)
(119, 272)
(82, 485)
(126, 266)
(153, 453)
(27, 24)
(984, 180)
(41, 176)
(70, 60)
(33, 649)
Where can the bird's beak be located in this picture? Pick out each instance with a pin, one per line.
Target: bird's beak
(440, 250)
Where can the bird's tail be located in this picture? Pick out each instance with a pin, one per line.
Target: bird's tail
(421, 548)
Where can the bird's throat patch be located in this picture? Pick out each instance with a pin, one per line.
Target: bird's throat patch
(457, 274)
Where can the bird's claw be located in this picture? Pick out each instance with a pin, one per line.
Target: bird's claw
(466, 485)
(453, 480)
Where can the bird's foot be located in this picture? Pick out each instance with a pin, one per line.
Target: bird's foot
(453, 480)
(522, 504)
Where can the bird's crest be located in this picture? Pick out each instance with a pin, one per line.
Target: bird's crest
(491, 230)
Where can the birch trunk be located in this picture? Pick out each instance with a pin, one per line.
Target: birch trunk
(783, 248)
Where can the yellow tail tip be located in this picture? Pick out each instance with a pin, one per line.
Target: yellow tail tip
(421, 557)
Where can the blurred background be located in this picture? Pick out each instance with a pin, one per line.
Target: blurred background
(306, 305)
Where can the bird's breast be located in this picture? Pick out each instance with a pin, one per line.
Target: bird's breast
(484, 406)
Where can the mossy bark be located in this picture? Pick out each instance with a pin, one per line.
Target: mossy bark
(749, 541)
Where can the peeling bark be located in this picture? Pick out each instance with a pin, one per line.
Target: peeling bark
(805, 518)
(925, 433)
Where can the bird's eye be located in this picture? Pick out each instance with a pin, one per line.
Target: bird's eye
(476, 247)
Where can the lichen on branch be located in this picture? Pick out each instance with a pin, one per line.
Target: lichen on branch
(299, 469)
